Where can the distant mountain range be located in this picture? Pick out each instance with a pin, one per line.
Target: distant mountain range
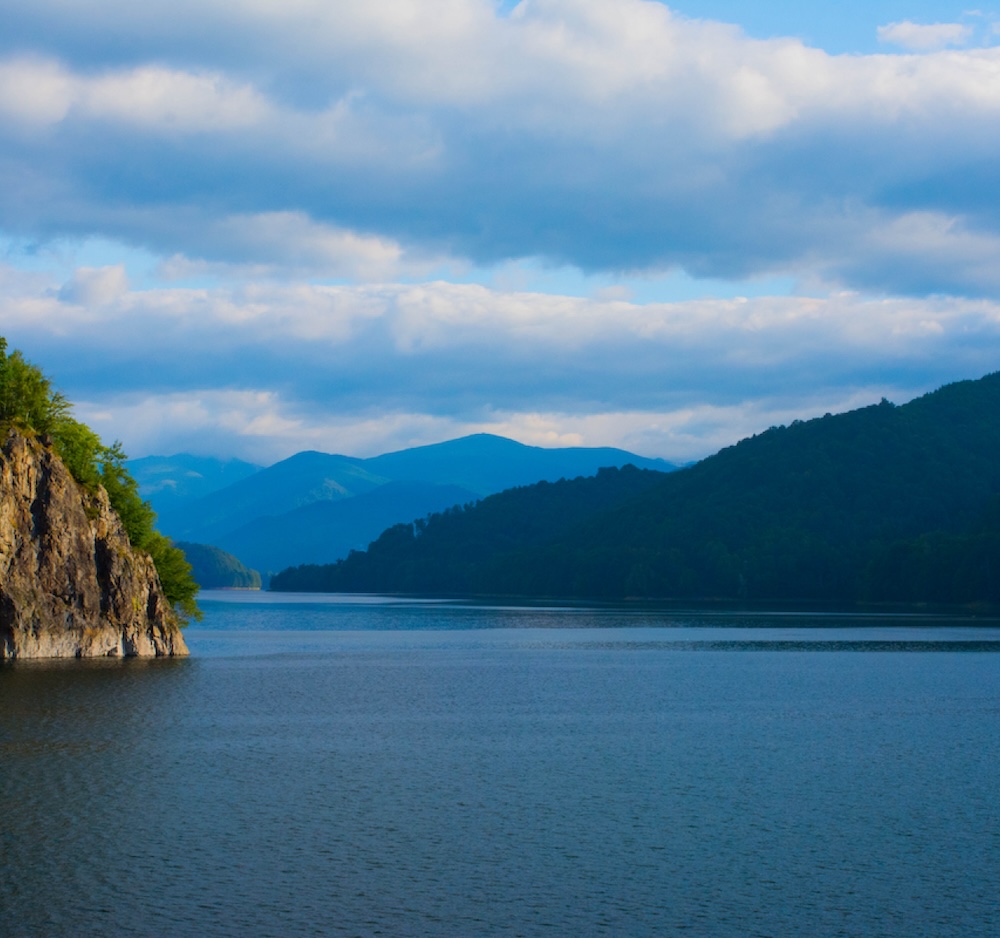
(316, 507)
(884, 503)
(168, 481)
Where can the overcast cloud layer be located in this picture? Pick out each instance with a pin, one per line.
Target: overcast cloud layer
(249, 228)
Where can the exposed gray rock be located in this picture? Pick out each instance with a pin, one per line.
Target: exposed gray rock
(71, 584)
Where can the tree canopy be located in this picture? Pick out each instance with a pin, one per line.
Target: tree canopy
(882, 504)
(30, 404)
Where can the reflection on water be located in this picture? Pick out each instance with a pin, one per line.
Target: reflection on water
(315, 769)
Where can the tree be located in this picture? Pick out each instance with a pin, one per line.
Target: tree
(29, 403)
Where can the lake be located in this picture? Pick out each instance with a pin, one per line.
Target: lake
(357, 766)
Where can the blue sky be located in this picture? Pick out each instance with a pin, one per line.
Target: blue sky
(848, 27)
(240, 228)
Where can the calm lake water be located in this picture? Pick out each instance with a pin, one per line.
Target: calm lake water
(364, 767)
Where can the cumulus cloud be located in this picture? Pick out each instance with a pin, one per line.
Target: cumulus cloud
(924, 37)
(42, 92)
(266, 367)
(304, 179)
(262, 427)
(259, 426)
(603, 135)
(95, 286)
(161, 98)
(280, 244)
(381, 328)
(34, 91)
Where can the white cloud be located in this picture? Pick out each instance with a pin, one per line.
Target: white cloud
(168, 99)
(933, 250)
(43, 91)
(262, 427)
(245, 423)
(95, 286)
(279, 242)
(596, 64)
(682, 434)
(35, 92)
(256, 425)
(435, 319)
(265, 369)
(359, 140)
(924, 37)
(254, 152)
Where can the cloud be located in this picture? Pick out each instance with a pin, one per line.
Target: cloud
(320, 202)
(267, 367)
(34, 91)
(284, 243)
(430, 321)
(43, 92)
(95, 286)
(262, 427)
(916, 254)
(166, 99)
(613, 136)
(925, 37)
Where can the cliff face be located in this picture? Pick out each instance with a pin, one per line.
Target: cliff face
(71, 585)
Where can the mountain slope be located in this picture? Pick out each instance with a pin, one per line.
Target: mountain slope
(263, 519)
(326, 530)
(809, 511)
(446, 553)
(299, 480)
(167, 481)
(485, 464)
(213, 568)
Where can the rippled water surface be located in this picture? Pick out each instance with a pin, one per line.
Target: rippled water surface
(357, 767)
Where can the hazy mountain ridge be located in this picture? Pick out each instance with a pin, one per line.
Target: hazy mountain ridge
(166, 480)
(828, 509)
(304, 509)
(299, 480)
(315, 532)
(487, 464)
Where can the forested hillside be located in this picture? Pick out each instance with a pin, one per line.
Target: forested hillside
(450, 551)
(883, 503)
(213, 568)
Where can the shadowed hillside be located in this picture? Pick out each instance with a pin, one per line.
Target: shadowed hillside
(322, 530)
(882, 503)
(215, 569)
(453, 550)
(315, 508)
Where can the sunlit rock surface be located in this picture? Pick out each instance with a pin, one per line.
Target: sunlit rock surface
(71, 585)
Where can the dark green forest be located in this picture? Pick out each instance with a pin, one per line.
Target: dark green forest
(30, 404)
(452, 549)
(882, 504)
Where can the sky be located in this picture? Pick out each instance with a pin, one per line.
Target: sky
(242, 228)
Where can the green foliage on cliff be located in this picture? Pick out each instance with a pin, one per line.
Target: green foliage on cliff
(29, 403)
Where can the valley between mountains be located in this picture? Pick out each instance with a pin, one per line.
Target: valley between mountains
(314, 508)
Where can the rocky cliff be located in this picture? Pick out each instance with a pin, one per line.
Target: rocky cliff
(71, 585)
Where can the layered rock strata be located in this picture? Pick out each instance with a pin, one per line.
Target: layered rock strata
(71, 584)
